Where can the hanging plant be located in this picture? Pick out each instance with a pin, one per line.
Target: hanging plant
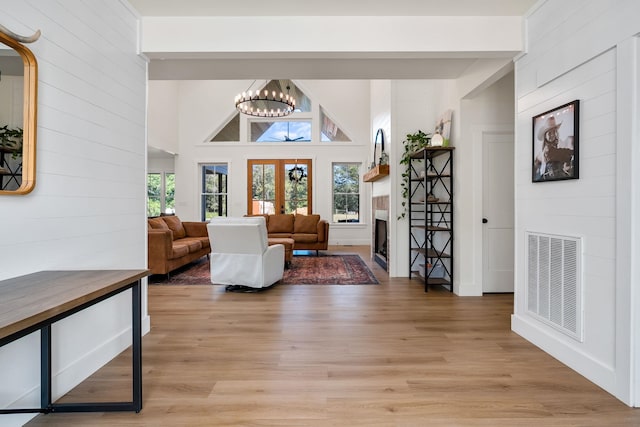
(412, 143)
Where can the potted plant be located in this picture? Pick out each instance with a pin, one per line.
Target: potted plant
(412, 143)
(11, 140)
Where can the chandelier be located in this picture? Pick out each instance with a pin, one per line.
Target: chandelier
(265, 103)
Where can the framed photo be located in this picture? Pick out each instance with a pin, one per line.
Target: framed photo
(555, 143)
(443, 128)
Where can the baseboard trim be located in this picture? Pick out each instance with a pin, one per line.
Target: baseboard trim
(350, 242)
(467, 290)
(543, 337)
(146, 325)
(79, 370)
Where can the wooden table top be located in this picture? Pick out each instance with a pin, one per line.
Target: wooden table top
(28, 300)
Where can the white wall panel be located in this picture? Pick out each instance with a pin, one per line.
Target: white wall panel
(88, 207)
(163, 116)
(573, 54)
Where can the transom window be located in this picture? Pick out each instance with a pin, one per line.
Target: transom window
(281, 131)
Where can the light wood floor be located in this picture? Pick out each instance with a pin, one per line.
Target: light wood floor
(385, 355)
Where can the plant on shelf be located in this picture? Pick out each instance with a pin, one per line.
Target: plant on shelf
(11, 140)
(412, 143)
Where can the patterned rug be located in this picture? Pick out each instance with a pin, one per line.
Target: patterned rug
(304, 270)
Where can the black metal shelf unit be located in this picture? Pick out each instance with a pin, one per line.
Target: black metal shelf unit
(431, 216)
(10, 170)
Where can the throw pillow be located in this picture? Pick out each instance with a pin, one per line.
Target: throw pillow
(306, 224)
(157, 224)
(175, 225)
(280, 223)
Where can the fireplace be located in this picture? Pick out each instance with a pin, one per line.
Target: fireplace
(380, 242)
(380, 245)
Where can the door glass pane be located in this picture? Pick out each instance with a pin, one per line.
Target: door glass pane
(296, 188)
(263, 189)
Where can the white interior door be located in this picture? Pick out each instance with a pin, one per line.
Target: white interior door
(498, 212)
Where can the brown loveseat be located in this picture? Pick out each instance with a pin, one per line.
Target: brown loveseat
(174, 243)
(308, 231)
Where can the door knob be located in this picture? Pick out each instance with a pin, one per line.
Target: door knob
(485, 220)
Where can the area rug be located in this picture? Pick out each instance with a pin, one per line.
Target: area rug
(304, 270)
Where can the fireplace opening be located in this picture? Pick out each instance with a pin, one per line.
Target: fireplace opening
(381, 242)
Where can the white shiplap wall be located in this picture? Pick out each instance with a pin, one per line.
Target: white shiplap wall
(573, 54)
(88, 207)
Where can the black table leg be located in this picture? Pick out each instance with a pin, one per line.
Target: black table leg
(45, 367)
(136, 295)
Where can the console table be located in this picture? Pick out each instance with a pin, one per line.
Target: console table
(35, 301)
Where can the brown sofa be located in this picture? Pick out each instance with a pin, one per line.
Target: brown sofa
(308, 231)
(174, 243)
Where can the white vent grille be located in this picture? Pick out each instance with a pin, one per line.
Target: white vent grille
(554, 291)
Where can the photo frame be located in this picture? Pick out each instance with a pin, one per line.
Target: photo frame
(443, 128)
(555, 143)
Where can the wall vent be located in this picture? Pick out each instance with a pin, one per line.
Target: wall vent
(554, 284)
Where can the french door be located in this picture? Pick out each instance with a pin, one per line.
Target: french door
(279, 186)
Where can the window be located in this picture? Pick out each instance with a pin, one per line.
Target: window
(346, 192)
(154, 191)
(214, 191)
(230, 131)
(169, 193)
(329, 131)
(303, 103)
(161, 191)
(281, 131)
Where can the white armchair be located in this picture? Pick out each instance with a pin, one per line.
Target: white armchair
(240, 254)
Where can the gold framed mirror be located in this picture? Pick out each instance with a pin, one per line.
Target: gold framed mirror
(18, 108)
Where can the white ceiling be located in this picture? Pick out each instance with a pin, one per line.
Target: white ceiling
(248, 66)
(332, 7)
